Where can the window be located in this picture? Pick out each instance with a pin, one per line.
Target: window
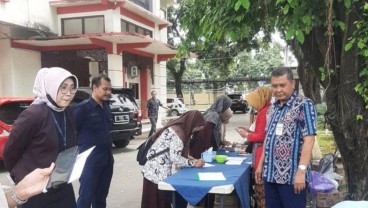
(130, 27)
(124, 26)
(135, 88)
(83, 25)
(73, 26)
(146, 4)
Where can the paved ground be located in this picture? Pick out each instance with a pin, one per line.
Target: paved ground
(126, 185)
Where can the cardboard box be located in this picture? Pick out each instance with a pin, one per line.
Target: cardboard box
(326, 200)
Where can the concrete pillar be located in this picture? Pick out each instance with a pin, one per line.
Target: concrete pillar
(115, 69)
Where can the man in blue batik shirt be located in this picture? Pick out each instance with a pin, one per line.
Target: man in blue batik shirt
(93, 120)
(290, 134)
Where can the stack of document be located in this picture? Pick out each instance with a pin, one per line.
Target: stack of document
(235, 160)
(211, 176)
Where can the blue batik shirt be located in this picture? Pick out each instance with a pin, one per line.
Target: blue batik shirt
(298, 118)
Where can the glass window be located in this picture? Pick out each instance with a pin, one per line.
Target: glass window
(94, 25)
(72, 26)
(83, 25)
(149, 33)
(124, 26)
(131, 28)
(140, 30)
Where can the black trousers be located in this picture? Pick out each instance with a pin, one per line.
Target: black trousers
(60, 197)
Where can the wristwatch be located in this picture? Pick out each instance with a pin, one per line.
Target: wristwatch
(302, 168)
(16, 199)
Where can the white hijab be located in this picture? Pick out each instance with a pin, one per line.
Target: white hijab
(47, 82)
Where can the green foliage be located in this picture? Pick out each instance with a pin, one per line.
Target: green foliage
(207, 22)
(259, 64)
(360, 40)
(323, 73)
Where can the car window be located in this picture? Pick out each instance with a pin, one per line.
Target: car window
(10, 111)
(124, 101)
(169, 100)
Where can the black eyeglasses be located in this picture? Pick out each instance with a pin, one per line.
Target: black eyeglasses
(66, 89)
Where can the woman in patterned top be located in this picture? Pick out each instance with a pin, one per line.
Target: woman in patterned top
(175, 137)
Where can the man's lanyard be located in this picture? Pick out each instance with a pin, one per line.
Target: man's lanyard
(63, 135)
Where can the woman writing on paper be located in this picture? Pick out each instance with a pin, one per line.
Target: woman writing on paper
(175, 137)
(41, 132)
(260, 100)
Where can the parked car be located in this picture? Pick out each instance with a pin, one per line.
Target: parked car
(238, 103)
(10, 108)
(126, 114)
(176, 106)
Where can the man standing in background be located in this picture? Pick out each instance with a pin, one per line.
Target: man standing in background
(93, 120)
(153, 105)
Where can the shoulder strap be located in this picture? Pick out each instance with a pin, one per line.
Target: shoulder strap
(158, 153)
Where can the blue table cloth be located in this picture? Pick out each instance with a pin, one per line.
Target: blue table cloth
(186, 183)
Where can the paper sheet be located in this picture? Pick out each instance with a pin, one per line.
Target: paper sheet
(207, 165)
(235, 160)
(211, 176)
(3, 203)
(79, 164)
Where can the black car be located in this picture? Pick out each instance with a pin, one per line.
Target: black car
(125, 111)
(238, 103)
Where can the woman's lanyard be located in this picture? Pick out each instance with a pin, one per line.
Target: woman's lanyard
(63, 135)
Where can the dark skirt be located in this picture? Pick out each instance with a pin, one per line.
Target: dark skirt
(152, 197)
(60, 197)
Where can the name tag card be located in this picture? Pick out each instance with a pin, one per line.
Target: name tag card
(279, 128)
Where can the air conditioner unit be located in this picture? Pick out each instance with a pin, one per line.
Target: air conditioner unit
(134, 71)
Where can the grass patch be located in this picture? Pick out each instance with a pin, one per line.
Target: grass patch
(326, 143)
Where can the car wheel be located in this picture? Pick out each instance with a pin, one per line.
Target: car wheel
(121, 143)
(174, 113)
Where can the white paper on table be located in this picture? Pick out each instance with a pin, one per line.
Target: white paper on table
(79, 164)
(211, 176)
(235, 160)
(207, 165)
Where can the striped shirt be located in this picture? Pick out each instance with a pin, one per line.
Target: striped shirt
(297, 118)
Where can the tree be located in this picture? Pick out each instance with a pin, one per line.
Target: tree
(330, 41)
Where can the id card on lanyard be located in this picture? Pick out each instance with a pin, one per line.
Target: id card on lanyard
(279, 129)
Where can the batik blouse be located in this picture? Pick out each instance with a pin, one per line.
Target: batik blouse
(159, 168)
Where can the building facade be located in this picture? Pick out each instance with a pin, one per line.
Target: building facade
(125, 39)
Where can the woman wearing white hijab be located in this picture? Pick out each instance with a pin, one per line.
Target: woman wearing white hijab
(41, 132)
